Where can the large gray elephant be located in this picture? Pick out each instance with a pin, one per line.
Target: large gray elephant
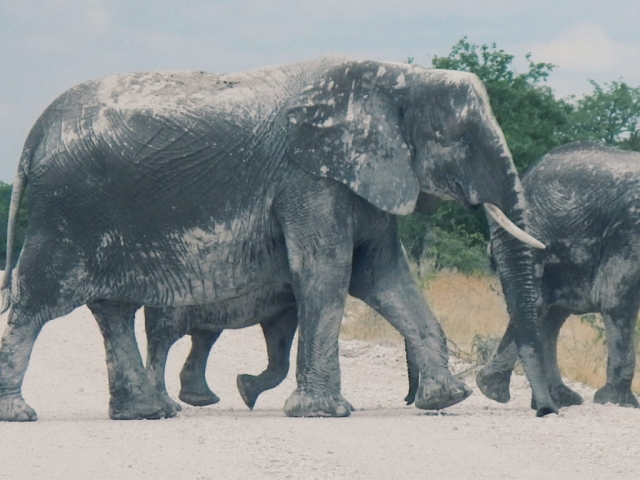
(171, 189)
(585, 204)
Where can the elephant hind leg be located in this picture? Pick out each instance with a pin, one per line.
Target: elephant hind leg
(193, 384)
(40, 299)
(382, 279)
(278, 334)
(620, 325)
(132, 394)
(17, 345)
(163, 329)
(616, 292)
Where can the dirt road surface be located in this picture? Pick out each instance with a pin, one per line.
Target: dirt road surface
(478, 439)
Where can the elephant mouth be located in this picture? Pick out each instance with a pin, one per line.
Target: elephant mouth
(461, 196)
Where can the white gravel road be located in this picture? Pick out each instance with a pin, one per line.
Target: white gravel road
(479, 439)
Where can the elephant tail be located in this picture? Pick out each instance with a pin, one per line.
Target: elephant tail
(16, 197)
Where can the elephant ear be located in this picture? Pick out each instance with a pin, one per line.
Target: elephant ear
(346, 126)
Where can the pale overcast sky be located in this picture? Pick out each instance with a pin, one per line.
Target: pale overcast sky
(47, 46)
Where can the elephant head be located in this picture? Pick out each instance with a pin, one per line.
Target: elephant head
(391, 131)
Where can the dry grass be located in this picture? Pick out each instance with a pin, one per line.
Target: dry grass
(467, 307)
(362, 323)
(474, 306)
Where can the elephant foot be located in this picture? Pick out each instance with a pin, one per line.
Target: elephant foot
(562, 396)
(13, 408)
(441, 392)
(301, 404)
(411, 396)
(138, 406)
(198, 396)
(548, 404)
(618, 395)
(249, 388)
(170, 402)
(494, 385)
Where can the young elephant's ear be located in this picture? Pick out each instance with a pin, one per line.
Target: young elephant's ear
(346, 126)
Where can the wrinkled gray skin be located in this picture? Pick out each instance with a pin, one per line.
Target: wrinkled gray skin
(585, 207)
(170, 189)
(277, 316)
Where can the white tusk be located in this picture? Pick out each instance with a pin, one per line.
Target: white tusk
(502, 220)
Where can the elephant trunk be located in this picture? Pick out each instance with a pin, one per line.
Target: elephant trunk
(514, 261)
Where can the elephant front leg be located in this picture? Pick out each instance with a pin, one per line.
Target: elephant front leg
(132, 394)
(317, 222)
(382, 279)
(494, 377)
(321, 303)
(193, 383)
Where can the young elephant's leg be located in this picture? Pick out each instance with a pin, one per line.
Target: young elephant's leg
(620, 325)
(163, 328)
(551, 324)
(616, 293)
(381, 278)
(132, 394)
(493, 379)
(193, 384)
(278, 334)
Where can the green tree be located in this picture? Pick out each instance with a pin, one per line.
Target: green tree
(532, 119)
(610, 115)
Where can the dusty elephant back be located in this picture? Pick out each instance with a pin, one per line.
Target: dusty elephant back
(147, 177)
(121, 114)
(585, 176)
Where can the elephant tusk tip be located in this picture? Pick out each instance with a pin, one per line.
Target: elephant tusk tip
(502, 220)
(539, 245)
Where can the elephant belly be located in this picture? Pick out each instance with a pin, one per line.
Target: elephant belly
(257, 306)
(568, 286)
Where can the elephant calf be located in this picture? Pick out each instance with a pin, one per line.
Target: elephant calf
(585, 207)
(273, 307)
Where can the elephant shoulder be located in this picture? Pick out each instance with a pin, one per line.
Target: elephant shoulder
(346, 126)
